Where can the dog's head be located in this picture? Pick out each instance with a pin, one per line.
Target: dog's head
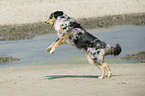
(53, 16)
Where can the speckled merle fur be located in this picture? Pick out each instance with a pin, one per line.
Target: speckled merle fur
(83, 39)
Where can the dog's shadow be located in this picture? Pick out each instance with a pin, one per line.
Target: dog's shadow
(51, 77)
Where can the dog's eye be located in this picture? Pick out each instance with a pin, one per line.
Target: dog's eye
(51, 16)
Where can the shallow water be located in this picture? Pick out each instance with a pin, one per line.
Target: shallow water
(32, 52)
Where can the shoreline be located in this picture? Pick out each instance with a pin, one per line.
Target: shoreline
(30, 30)
(139, 57)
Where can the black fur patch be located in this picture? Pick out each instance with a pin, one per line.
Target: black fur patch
(117, 50)
(85, 39)
(56, 14)
(76, 25)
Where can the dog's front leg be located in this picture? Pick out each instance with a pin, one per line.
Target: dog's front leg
(50, 47)
(60, 41)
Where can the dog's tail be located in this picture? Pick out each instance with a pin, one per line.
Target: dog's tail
(113, 50)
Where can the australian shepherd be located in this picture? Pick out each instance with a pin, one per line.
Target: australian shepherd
(69, 31)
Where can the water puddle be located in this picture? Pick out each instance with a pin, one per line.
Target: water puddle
(32, 52)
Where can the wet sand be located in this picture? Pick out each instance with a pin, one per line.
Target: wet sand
(72, 80)
(139, 57)
(8, 59)
(30, 30)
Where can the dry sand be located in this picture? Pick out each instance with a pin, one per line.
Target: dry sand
(29, 11)
(72, 80)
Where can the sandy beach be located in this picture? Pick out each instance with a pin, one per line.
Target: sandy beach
(67, 79)
(72, 80)
(30, 11)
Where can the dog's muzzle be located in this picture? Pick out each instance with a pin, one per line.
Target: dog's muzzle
(50, 21)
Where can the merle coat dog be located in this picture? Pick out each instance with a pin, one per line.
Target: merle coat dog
(69, 31)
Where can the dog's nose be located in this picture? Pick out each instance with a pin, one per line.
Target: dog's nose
(46, 22)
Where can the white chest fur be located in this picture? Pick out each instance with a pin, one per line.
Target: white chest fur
(60, 34)
(57, 28)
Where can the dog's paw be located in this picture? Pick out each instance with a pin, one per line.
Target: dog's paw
(101, 77)
(110, 74)
(51, 52)
(48, 49)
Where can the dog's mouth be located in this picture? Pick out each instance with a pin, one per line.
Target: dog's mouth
(50, 21)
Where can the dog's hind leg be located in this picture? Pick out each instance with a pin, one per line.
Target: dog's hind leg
(106, 66)
(102, 71)
(108, 69)
(101, 66)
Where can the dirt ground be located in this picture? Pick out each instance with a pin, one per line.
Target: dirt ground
(72, 80)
